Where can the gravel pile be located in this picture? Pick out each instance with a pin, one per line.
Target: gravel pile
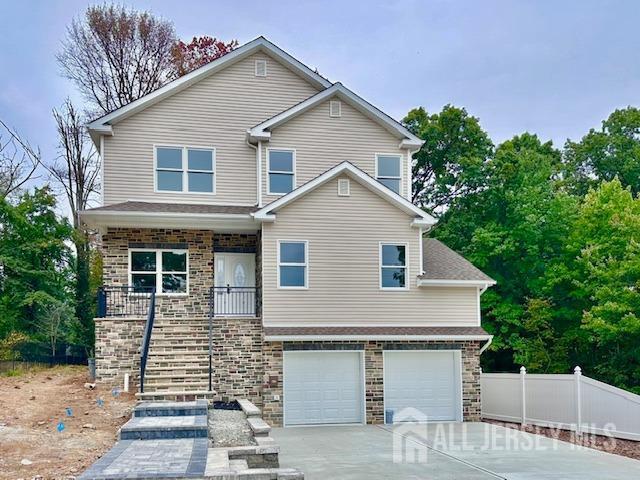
(229, 428)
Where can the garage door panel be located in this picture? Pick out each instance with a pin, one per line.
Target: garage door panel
(426, 381)
(322, 387)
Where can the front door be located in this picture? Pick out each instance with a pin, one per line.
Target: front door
(235, 282)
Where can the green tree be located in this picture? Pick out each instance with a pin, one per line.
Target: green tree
(602, 155)
(35, 261)
(451, 162)
(605, 275)
(515, 229)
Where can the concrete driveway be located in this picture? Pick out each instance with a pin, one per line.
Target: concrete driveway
(452, 451)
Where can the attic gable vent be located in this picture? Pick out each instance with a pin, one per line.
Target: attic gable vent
(261, 68)
(344, 187)
(335, 108)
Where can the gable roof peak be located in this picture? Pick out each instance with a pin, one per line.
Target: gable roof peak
(420, 217)
(102, 125)
(262, 131)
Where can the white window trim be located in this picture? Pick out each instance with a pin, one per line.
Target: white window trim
(305, 264)
(269, 171)
(406, 266)
(338, 105)
(344, 181)
(159, 271)
(258, 61)
(399, 177)
(185, 168)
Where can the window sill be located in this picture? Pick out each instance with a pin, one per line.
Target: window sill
(179, 192)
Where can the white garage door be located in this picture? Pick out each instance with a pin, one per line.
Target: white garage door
(426, 381)
(322, 387)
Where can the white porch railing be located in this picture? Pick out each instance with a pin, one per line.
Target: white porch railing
(571, 402)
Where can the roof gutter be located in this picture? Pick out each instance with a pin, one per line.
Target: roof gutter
(432, 282)
(295, 338)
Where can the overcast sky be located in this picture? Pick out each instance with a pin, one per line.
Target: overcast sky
(555, 68)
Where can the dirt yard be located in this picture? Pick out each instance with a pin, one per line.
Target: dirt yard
(31, 408)
(626, 448)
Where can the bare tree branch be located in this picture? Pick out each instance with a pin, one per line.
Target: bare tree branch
(115, 55)
(77, 168)
(18, 161)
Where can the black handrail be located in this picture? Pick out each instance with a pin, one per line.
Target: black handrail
(124, 301)
(146, 339)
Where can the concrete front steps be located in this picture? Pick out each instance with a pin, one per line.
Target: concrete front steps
(178, 361)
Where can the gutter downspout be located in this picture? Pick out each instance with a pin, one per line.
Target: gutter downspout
(486, 345)
(260, 173)
(409, 182)
(421, 251)
(258, 150)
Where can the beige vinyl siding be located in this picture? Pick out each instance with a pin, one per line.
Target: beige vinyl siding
(343, 235)
(215, 112)
(322, 141)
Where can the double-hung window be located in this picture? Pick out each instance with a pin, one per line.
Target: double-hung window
(393, 266)
(388, 168)
(282, 175)
(164, 270)
(185, 169)
(293, 264)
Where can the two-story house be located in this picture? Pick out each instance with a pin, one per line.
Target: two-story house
(259, 241)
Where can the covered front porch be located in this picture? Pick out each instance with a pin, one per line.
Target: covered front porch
(193, 273)
(180, 302)
(198, 259)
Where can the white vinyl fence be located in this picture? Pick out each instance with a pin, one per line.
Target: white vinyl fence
(571, 402)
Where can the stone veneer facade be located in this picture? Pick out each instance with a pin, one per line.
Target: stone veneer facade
(115, 251)
(118, 342)
(245, 365)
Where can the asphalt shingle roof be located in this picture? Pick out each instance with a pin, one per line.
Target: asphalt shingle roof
(441, 263)
(151, 207)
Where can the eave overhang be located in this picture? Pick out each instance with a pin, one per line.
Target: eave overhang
(223, 223)
(421, 218)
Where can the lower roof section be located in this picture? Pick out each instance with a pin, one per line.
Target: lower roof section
(222, 218)
(375, 333)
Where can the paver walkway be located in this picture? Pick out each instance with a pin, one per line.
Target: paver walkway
(131, 459)
(162, 440)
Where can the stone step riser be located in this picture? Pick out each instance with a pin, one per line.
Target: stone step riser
(177, 396)
(178, 365)
(179, 347)
(166, 362)
(165, 427)
(181, 330)
(186, 387)
(173, 352)
(170, 409)
(151, 382)
(176, 371)
(180, 336)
